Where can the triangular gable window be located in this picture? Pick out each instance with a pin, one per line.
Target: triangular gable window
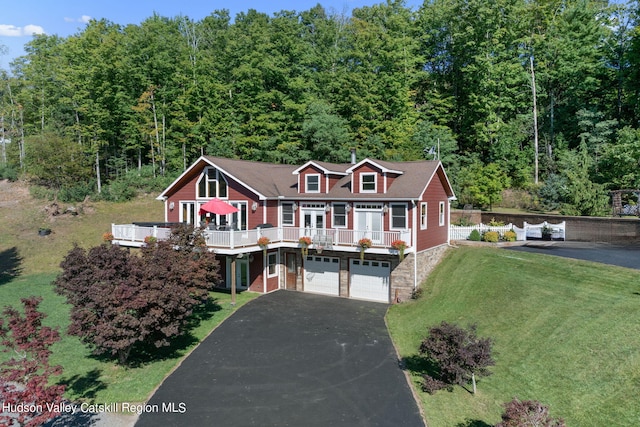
(212, 183)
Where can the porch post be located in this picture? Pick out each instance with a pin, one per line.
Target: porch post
(233, 280)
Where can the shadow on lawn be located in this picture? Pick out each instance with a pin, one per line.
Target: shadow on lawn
(419, 365)
(145, 353)
(85, 386)
(10, 268)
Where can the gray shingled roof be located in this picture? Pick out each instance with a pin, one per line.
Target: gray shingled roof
(273, 180)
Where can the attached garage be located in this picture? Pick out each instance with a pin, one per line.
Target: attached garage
(369, 280)
(322, 275)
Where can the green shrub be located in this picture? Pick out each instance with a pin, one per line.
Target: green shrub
(475, 236)
(494, 223)
(464, 222)
(491, 236)
(118, 191)
(76, 193)
(42, 193)
(510, 236)
(8, 172)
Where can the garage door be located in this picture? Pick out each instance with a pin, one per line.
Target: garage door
(322, 275)
(369, 280)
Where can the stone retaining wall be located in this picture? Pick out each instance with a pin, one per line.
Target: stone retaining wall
(402, 275)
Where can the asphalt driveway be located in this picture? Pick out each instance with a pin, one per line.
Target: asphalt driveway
(620, 255)
(290, 359)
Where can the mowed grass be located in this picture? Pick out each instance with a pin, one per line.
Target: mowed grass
(566, 332)
(30, 263)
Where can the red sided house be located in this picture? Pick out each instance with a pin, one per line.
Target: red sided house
(352, 230)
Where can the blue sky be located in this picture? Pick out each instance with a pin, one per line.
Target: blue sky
(19, 19)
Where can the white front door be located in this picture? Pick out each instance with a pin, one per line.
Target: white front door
(242, 273)
(312, 220)
(369, 224)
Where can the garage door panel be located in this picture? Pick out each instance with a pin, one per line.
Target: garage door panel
(322, 275)
(370, 280)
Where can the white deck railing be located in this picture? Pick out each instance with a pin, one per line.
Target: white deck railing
(326, 237)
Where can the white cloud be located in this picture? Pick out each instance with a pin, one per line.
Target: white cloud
(27, 30)
(84, 19)
(30, 30)
(10, 31)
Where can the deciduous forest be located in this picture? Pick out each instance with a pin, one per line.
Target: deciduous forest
(540, 96)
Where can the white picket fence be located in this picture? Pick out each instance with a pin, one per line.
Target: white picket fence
(528, 232)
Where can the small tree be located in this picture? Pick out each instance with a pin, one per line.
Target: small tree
(24, 378)
(528, 413)
(120, 300)
(458, 354)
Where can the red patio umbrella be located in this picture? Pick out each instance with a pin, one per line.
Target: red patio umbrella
(218, 207)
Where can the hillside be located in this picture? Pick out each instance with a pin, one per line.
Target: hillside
(22, 217)
(566, 333)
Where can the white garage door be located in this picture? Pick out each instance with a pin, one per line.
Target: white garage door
(369, 280)
(322, 275)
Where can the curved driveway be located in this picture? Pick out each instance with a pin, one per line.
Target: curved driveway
(291, 359)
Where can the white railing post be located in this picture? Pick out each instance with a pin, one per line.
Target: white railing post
(231, 238)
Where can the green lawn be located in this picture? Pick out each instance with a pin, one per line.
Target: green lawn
(28, 265)
(566, 333)
(95, 379)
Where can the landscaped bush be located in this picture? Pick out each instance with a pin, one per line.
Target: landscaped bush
(491, 236)
(510, 236)
(475, 236)
(431, 385)
(494, 223)
(464, 222)
(123, 301)
(525, 413)
(458, 355)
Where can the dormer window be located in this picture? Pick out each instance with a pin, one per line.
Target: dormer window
(367, 182)
(312, 183)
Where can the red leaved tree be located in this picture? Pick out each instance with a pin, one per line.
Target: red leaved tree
(24, 378)
(458, 354)
(120, 299)
(527, 413)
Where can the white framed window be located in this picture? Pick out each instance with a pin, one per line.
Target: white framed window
(441, 214)
(212, 183)
(423, 215)
(368, 182)
(339, 219)
(272, 264)
(398, 216)
(312, 183)
(287, 214)
(188, 213)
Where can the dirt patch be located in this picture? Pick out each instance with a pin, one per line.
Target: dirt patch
(17, 193)
(12, 193)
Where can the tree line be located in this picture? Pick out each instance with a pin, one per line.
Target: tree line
(537, 95)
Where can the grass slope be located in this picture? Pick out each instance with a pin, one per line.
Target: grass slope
(566, 333)
(29, 263)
